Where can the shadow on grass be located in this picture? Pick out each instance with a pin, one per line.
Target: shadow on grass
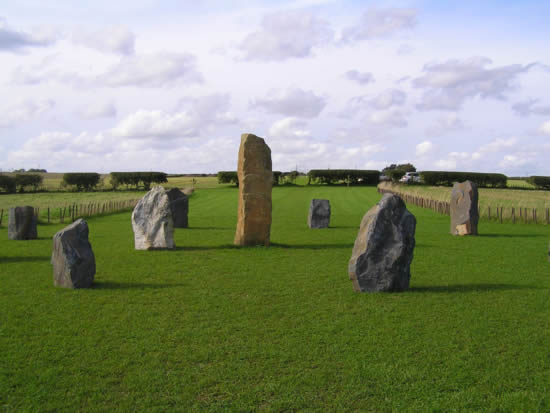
(467, 288)
(207, 247)
(208, 228)
(7, 260)
(511, 235)
(113, 285)
(311, 246)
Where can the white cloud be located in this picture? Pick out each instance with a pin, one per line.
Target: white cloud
(392, 117)
(152, 70)
(443, 124)
(424, 148)
(288, 128)
(530, 107)
(13, 40)
(446, 164)
(291, 102)
(389, 98)
(23, 110)
(156, 124)
(286, 34)
(545, 128)
(379, 23)
(362, 78)
(113, 39)
(499, 144)
(448, 85)
(99, 110)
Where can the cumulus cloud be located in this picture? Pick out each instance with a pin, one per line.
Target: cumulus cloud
(444, 124)
(389, 98)
(446, 164)
(288, 128)
(449, 84)
(362, 78)
(291, 102)
(153, 70)
(22, 111)
(286, 34)
(194, 115)
(13, 40)
(380, 23)
(498, 145)
(513, 161)
(113, 39)
(99, 110)
(545, 128)
(392, 117)
(530, 107)
(424, 148)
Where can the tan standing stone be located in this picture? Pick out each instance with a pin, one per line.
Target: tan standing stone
(464, 211)
(255, 182)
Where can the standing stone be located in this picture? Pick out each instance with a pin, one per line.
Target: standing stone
(255, 181)
(152, 221)
(179, 205)
(319, 213)
(72, 257)
(464, 213)
(384, 247)
(22, 223)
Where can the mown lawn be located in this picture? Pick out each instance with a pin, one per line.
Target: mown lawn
(213, 327)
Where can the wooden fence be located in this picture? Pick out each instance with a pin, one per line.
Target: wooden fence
(494, 213)
(70, 213)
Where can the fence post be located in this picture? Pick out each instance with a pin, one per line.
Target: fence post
(513, 215)
(1, 216)
(547, 215)
(48, 215)
(489, 212)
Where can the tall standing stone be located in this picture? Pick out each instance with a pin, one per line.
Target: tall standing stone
(22, 223)
(384, 247)
(72, 257)
(255, 182)
(179, 205)
(464, 212)
(319, 213)
(152, 221)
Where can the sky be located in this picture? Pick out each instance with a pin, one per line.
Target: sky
(170, 85)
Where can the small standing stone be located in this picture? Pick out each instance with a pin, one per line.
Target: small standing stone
(152, 221)
(72, 257)
(22, 223)
(179, 205)
(464, 212)
(384, 248)
(319, 213)
(255, 182)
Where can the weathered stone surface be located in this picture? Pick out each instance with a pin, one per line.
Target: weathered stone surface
(179, 205)
(255, 182)
(22, 223)
(384, 247)
(464, 212)
(72, 257)
(319, 213)
(152, 221)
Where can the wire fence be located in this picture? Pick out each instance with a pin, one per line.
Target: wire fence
(493, 213)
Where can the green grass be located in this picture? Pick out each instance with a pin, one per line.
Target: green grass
(213, 327)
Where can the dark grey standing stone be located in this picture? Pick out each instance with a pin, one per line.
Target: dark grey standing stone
(319, 213)
(22, 223)
(179, 205)
(72, 257)
(384, 247)
(464, 212)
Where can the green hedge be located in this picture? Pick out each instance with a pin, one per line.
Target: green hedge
(24, 180)
(349, 176)
(231, 177)
(449, 178)
(7, 183)
(540, 182)
(137, 179)
(83, 181)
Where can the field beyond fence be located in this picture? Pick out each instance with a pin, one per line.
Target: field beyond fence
(499, 205)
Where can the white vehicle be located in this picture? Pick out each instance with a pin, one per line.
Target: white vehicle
(410, 177)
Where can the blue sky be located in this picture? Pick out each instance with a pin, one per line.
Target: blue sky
(171, 85)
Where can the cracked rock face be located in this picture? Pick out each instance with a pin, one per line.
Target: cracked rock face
(152, 221)
(72, 257)
(255, 182)
(22, 223)
(464, 210)
(319, 213)
(384, 247)
(179, 205)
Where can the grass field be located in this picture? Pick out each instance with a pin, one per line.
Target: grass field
(212, 327)
(488, 197)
